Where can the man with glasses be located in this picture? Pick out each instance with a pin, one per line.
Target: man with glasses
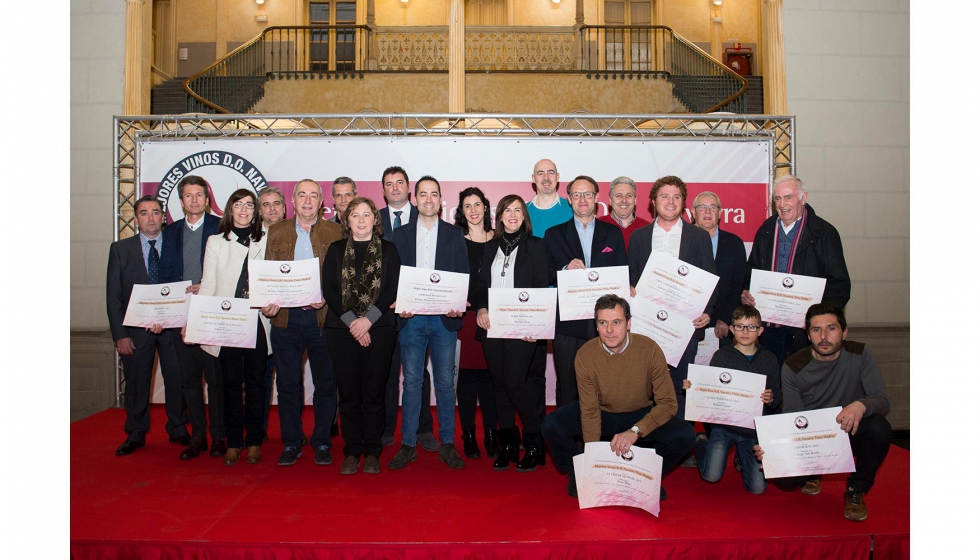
(729, 253)
(581, 242)
(622, 208)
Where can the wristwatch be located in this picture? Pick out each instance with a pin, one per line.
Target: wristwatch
(636, 430)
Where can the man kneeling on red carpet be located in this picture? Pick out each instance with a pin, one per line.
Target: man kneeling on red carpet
(615, 374)
(837, 372)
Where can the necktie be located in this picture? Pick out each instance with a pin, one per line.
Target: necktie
(153, 263)
(398, 219)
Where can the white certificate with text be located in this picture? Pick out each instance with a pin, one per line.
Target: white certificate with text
(423, 291)
(221, 321)
(668, 328)
(804, 443)
(673, 283)
(633, 479)
(724, 396)
(522, 312)
(579, 289)
(707, 347)
(158, 304)
(285, 283)
(784, 298)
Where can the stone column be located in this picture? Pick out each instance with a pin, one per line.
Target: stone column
(457, 56)
(135, 99)
(371, 40)
(773, 58)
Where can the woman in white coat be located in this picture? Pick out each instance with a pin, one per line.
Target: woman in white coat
(239, 239)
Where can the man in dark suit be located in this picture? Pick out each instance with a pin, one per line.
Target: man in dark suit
(581, 242)
(400, 212)
(671, 236)
(186, 240)
(796, 241)
(136, 260)
(729, 253)
(429, 243)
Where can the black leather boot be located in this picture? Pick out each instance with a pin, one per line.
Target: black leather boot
(491, 443)
(533, 452)
(470, 448)
(509, 451)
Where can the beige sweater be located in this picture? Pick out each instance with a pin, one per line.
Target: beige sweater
(623, 383)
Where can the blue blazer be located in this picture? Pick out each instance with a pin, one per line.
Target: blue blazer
(730, 262)
(413, 214)
(695, 249)
(564, 246)
(451, 256)
(172, 258)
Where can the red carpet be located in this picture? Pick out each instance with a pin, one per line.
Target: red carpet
(152, 505)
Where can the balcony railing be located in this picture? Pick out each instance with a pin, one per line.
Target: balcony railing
(236, 82)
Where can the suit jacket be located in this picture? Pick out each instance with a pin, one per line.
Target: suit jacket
(730, 263)
(530, 269)
(172, 258)
(564, 246)
(413, 214)
(223, 262)
(282, 242)
(695, 249)
(450, 256)
(126, 268)
(819, 253)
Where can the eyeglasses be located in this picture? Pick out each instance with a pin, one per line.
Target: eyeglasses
(706, 207)
(239, 205)
(750, 328)
(585, 195)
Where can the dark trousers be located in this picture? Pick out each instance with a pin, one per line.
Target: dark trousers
(562, 429)
(679, 374)
(870, 447)
(537, 382)
(510, 362)
(245, 367)
(566, 347)
(302, 333)
(138, 375)
(194, 362)
(473, 385)
(783, 341)
(361, 376)
(391, 395)
(270, 368)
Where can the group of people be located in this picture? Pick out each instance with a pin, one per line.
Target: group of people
(611, 385)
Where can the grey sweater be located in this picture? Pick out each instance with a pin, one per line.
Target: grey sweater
(810, 384)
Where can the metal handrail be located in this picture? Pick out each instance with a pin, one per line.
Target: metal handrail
(700, 81)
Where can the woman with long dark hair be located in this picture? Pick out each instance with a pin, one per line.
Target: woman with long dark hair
(512, 259)
(473, 216)
(240, 238)
(360, 282)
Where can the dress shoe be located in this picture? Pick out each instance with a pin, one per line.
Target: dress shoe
(405, 455)
(194, 448)
(534, 451)
(491, 443)
(289, 456)
(184, 440)
(323, 456)
(219, 447)
(254, 455)
(371, 465)
(428, 442)
(349, 466)
(509, 451)
(232, 455)
(470, 447)
(128, 447)
(449, 455)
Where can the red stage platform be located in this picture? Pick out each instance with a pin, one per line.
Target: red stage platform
(153, 505)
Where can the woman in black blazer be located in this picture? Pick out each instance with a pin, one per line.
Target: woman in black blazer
(360, 282)
(512, 259)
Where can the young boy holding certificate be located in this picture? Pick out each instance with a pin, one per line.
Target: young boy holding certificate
(746, 355)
